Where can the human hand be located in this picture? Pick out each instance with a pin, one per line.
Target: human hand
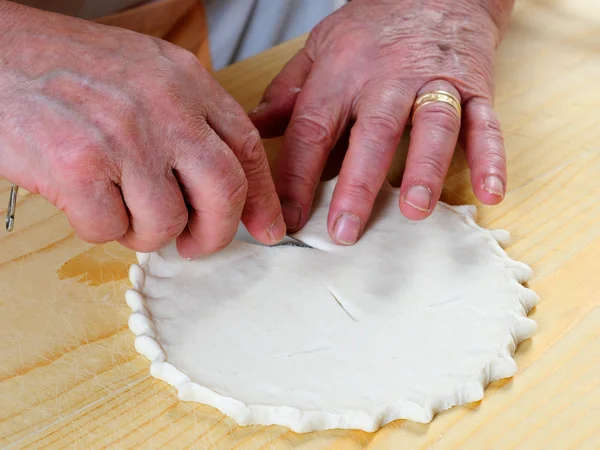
(129, 136)
(368, 62)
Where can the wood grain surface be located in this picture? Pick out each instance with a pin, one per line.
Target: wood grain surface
(70, 378)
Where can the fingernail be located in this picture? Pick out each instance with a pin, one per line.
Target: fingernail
(276, 230)
(260, 108)
(292, 213)
(347, 228)
(419, 197)
(494, 185)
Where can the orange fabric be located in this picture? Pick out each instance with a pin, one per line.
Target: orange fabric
(181, 22)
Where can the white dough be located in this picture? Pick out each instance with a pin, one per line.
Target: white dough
(415, 318)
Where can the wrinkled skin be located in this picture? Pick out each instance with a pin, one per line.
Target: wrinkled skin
(135, 142)
(129, 136)
(368, 62)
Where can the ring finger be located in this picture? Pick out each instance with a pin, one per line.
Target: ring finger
(436, 126)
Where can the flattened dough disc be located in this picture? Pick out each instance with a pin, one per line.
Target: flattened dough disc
(415, 318)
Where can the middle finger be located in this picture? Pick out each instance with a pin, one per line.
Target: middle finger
(381, 115)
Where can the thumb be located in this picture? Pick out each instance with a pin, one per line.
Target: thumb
(273, 113)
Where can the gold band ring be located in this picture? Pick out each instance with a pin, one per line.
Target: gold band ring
(437, 96)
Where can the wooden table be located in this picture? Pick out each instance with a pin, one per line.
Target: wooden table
(69, 376)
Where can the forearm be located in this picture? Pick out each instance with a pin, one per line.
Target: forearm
(7, 9)
(14, 16)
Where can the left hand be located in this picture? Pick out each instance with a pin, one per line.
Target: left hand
(368, 62)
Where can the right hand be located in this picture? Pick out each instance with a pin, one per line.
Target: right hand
(129, 136)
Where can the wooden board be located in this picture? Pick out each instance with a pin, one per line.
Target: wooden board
(70, 378)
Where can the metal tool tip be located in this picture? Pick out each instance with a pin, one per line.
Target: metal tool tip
(12, 206)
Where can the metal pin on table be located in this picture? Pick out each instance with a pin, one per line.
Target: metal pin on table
(12, 206)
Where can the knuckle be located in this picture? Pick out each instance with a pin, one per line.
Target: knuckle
(160, 233)
(383, 124)
(299, 182)
(237, 195)
(257, 170)
(313, 128)
(391, 94)
(316, 36)
(488, 144)
(252, 150)
(441, 119)
(79, 164)
(480, 118)
(171, 229)
(491, 127)
(186, 59)
(232, 196)
(378, 134)
(191, 135)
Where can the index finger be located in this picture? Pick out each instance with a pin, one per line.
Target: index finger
(320, 115)
(262, 211)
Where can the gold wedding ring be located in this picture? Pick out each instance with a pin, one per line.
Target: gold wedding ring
(437, 96)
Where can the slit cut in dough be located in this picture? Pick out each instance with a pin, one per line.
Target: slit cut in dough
(415, 318)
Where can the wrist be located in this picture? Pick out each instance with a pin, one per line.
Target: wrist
(499, 12)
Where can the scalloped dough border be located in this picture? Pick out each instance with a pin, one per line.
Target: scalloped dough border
(504, 366)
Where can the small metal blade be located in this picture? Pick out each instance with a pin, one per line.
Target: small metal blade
(291, 241)
(12, 206)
